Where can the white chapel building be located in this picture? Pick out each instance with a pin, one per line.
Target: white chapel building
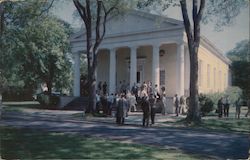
(140, 46)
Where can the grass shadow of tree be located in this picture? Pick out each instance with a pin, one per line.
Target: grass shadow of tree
(31, 144)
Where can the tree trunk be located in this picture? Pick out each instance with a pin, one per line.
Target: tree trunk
(193, 37)
(193, 112)
(92, 83)
(85, 13)
(92, 92)
(49, 85)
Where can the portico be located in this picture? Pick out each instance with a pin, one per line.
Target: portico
(140, 47)
(131, 53)
(137, 64)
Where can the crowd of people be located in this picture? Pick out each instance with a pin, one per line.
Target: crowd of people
(145, 97)
(224, 105)
(149, 98)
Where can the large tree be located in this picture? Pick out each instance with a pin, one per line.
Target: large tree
(94, 14)
(241, 52)
(14, 15)
(43, 53)
(18, 12)
(240, 57)
(33, 43)
(221, 12)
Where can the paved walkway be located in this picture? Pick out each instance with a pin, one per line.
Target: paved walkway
(213, 144)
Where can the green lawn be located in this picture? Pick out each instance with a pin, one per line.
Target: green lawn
(31, 144)
(227, 124)
(208, 122)
(23, 104)
(230, 124)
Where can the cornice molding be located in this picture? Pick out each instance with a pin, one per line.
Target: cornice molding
(211, 47)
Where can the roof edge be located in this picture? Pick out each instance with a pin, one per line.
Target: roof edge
(217, 52)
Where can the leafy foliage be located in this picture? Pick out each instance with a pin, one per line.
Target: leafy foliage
(44, 53)
(215, 97)
(34, 46)
(233, 94)
(219, 12)
(3, 82)
(241, 76)
(223, 13)
(206, 104)
(241, 52)
(240, 56)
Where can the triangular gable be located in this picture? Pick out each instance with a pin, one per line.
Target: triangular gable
(135, 22)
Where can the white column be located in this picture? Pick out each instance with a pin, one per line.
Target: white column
(156, 66)
(112, 71)
(76, 89)
(133, 65)
(180, 70)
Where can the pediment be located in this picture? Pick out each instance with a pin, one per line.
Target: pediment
(136, 22)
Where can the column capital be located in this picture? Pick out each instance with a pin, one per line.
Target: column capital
(156, 45)
(113, 48)
(133, 47)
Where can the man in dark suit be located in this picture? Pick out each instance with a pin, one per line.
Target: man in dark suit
(152, 101)
(122, 108)
(146, 111)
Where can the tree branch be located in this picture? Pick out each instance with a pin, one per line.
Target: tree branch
(106, 13)
(186, 20)
(98, 21)
(195, 3)
(47, 9)
(201, 10)
(197, 21)
(88, 11)
(81, 10)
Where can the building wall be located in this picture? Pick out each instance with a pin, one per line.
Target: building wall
(103, 66)
(146, 52)
(213, 72)
(168, 62)
(122, 72)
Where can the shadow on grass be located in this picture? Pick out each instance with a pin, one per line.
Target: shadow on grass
(227, 124)
(224, 124)
(24, 105)
(88, 115)
(31, 144)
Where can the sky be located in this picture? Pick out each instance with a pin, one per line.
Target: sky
(224, 40)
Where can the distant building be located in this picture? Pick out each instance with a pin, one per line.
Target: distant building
(142, 47)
